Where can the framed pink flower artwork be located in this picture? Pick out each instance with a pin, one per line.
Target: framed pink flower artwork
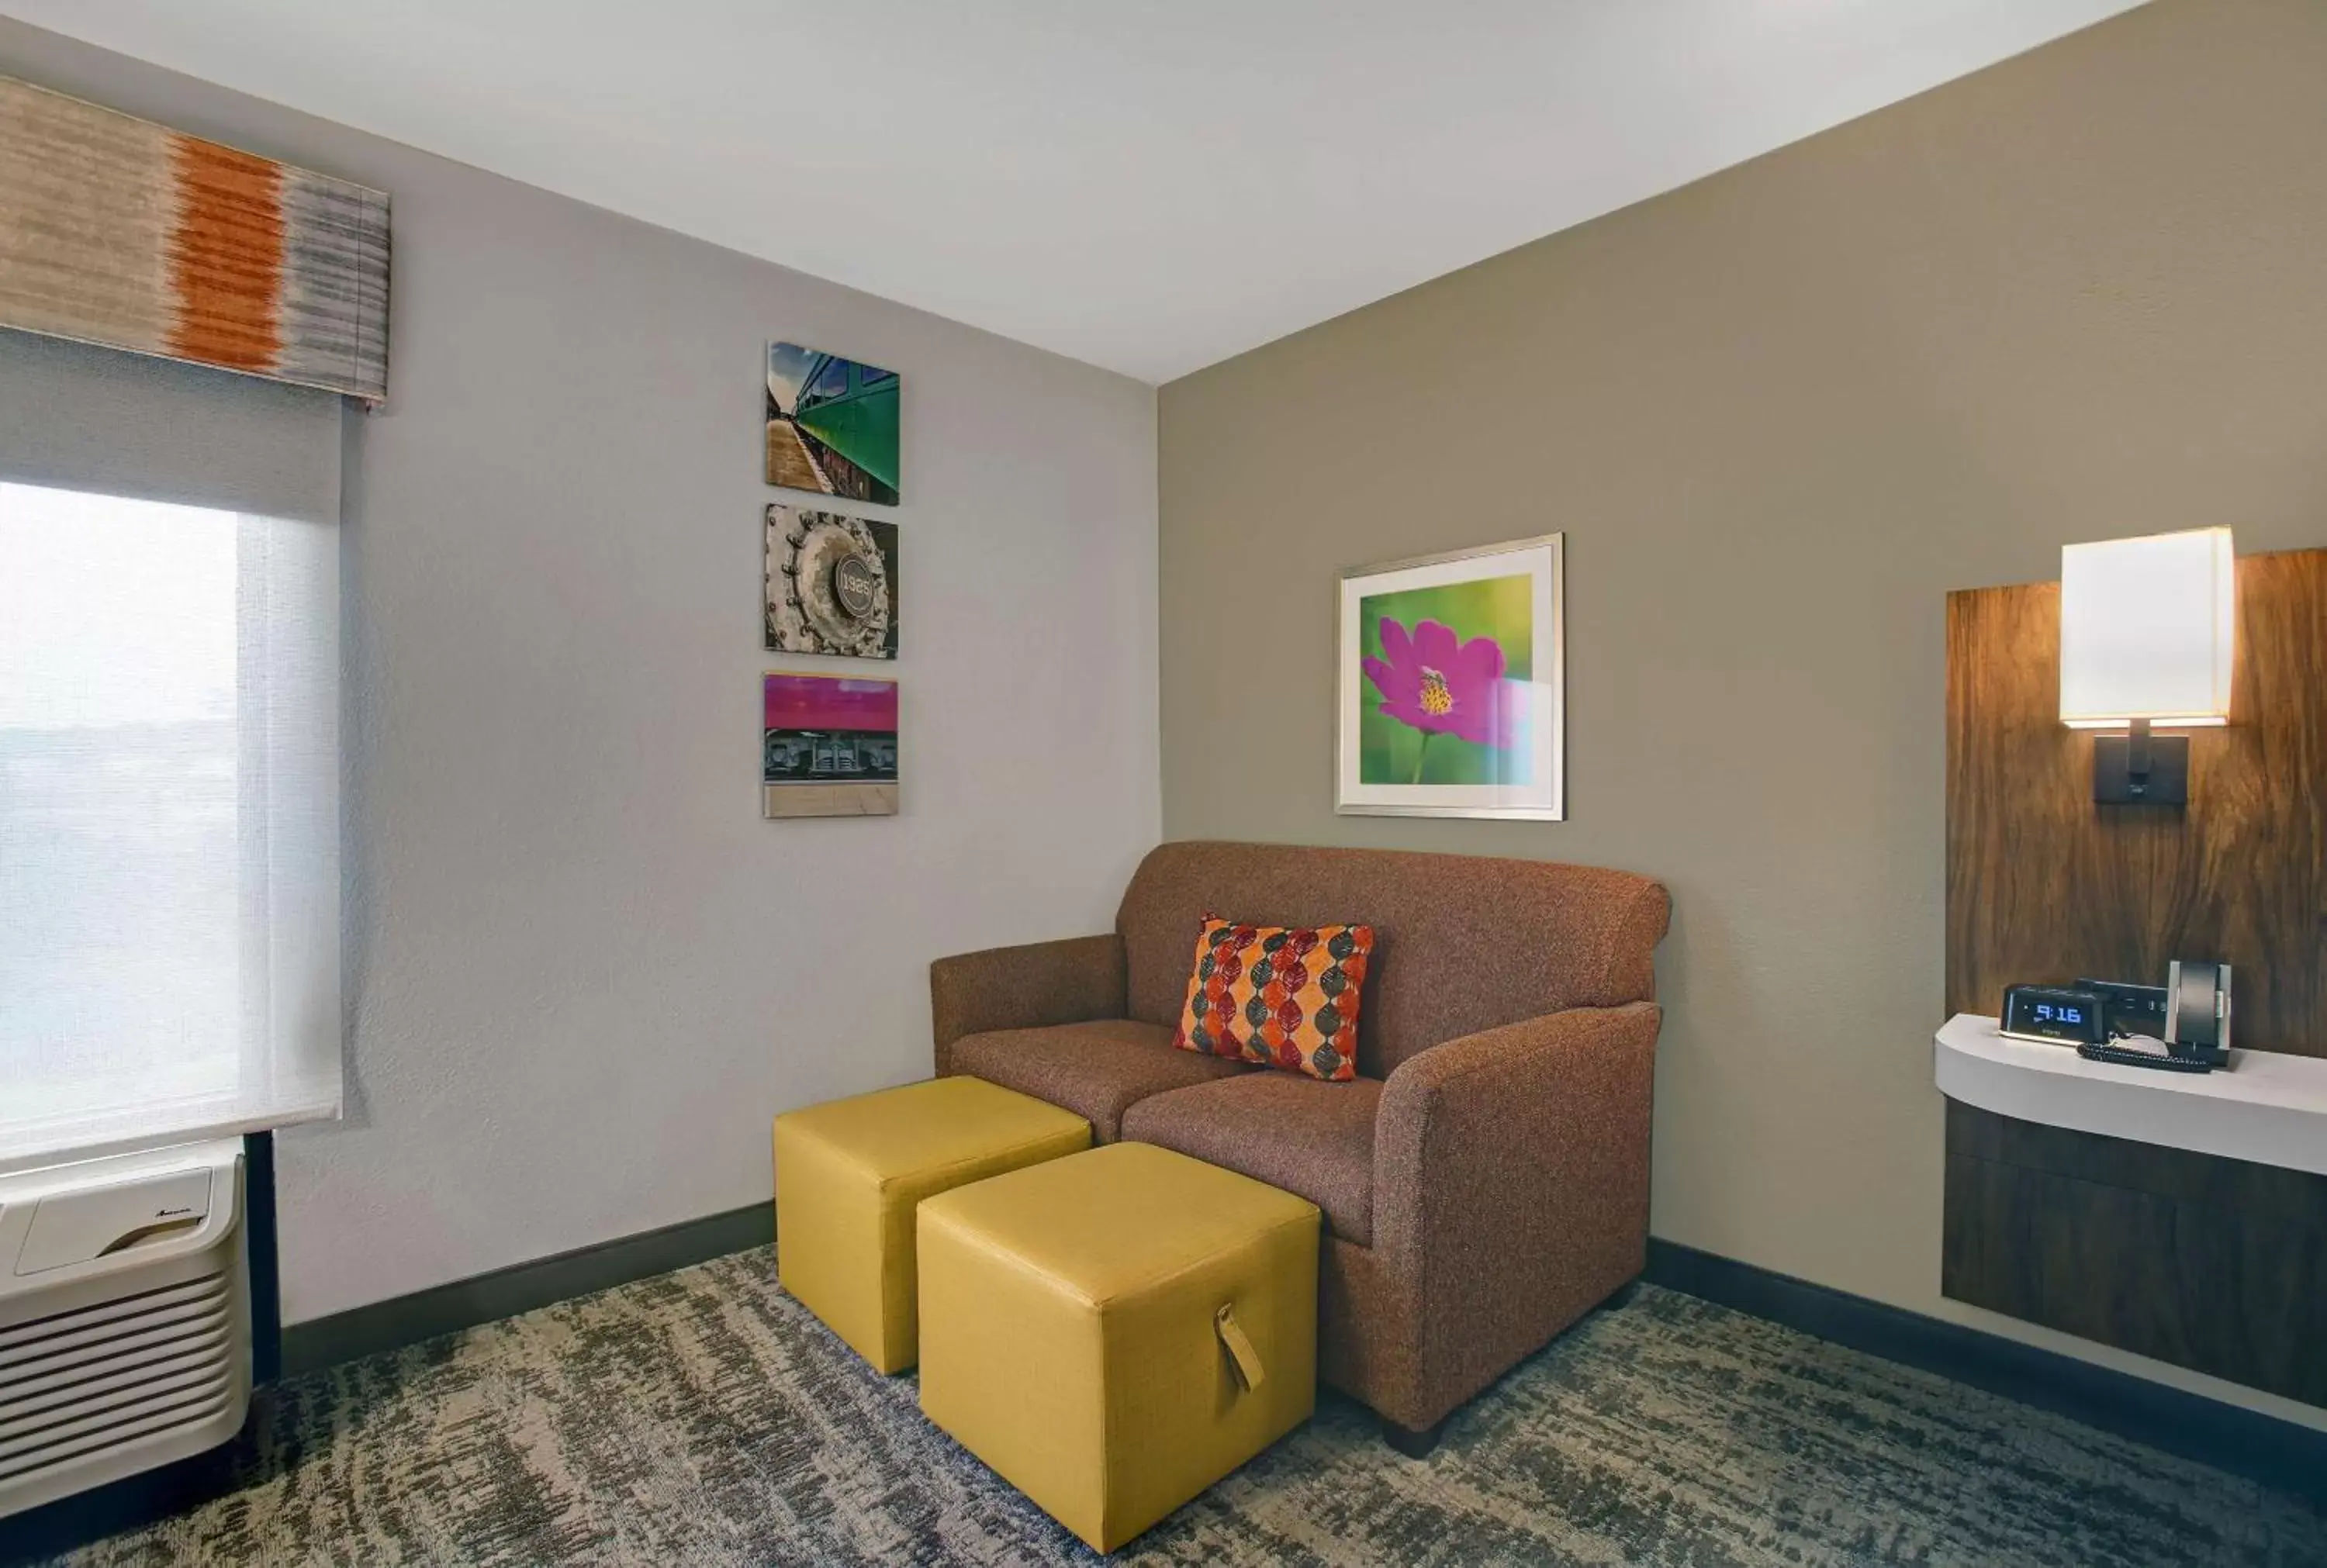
(1452, 684)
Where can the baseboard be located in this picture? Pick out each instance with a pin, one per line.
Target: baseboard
(2277, 1453)
(404, 1320)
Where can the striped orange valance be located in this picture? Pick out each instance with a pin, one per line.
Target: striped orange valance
(115, 230)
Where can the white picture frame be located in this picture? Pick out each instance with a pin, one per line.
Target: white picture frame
(1437, 722)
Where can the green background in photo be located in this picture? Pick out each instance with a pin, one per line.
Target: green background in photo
(1503, 608)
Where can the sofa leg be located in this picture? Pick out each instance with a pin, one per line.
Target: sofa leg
(1410, 1442)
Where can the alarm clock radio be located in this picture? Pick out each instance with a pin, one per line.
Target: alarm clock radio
(2053, 1015)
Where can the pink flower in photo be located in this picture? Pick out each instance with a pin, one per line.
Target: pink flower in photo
(1439, 686)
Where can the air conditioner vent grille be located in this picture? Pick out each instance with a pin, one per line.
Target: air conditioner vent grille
(124, 1318)
(78, 1381)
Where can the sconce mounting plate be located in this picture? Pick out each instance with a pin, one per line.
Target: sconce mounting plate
(2141, 768)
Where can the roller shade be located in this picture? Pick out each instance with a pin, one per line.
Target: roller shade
(170, 896)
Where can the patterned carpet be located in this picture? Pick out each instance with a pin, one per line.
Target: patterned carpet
(702, 1418)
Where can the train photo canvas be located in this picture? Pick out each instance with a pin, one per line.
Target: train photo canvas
(832, 425)
(831, 584)
(827, 746)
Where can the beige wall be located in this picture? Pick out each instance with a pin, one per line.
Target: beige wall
(1780, 413)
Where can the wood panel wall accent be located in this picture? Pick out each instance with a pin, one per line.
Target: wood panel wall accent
(2044, 885)
(117, 231)
(2215, 1264)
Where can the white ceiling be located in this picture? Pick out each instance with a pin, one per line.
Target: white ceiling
(1149, 185)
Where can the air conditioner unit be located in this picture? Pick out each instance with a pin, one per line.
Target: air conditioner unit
(125, 1317)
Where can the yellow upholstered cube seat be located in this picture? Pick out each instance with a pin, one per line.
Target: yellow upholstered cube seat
(849, 1175)
(1114, 1331)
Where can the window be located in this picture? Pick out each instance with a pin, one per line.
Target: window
(830, 381)
(168, 821)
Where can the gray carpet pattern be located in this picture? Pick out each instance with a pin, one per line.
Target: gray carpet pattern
(703, 1418)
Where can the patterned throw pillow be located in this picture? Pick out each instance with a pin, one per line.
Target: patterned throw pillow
(1283, 995)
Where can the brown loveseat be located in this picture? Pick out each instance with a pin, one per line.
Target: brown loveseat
(1484, 1179)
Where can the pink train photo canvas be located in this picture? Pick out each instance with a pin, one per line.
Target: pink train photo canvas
(828, 746)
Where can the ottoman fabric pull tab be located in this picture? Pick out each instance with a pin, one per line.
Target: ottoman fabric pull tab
(1250, 1374)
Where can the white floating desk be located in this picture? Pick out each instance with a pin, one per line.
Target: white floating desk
(2267, 1106)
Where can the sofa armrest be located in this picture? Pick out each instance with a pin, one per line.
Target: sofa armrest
(1070, 981)
(1511, 1183)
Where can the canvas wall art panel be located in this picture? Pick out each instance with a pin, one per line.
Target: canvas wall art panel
(831, 584)
(1452, 684)
(832, 425)
(828, 746)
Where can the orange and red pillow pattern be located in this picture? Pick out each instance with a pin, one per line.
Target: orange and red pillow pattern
(1284, 995)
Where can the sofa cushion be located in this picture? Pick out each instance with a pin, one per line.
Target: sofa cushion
(1312, 1139)
(1098, 1070)
(1283, 996)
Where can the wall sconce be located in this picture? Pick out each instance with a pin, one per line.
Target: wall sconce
(2147, 628)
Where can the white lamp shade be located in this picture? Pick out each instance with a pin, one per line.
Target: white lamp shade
(2147, 628)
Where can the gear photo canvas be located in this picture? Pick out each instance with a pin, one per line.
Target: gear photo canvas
(830, 583)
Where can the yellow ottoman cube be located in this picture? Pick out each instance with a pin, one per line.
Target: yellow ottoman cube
(849, 1175)
(1114, 1331)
